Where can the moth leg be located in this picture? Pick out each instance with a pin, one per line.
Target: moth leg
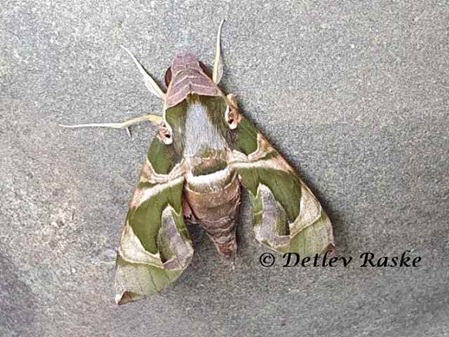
(218, 61)
(151, 84)
(188, 213)
(155, 119)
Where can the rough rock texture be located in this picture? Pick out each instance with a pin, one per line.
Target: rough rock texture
(355, 94)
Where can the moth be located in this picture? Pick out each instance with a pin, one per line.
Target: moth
(204, 153)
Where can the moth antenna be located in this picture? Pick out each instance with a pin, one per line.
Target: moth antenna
(151, 84)
(218, 62)
(123, 125)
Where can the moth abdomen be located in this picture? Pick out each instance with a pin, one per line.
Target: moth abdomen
(216, 209)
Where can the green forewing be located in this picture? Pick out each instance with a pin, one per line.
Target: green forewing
(286, 215)
(155, 247)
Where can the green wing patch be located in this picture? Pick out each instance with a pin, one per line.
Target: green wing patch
(287, 217)
(155, 247)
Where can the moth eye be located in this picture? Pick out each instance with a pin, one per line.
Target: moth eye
(165, 133)
(231, 118)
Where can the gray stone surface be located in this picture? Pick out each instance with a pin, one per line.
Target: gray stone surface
(355, 94)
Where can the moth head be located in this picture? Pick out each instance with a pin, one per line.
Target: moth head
(169, 73)
(188, 76)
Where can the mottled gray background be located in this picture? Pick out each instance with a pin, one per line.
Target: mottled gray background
(354, 94)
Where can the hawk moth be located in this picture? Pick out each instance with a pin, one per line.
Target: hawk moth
(204, 153)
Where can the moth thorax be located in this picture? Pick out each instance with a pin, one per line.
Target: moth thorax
(202, 137)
